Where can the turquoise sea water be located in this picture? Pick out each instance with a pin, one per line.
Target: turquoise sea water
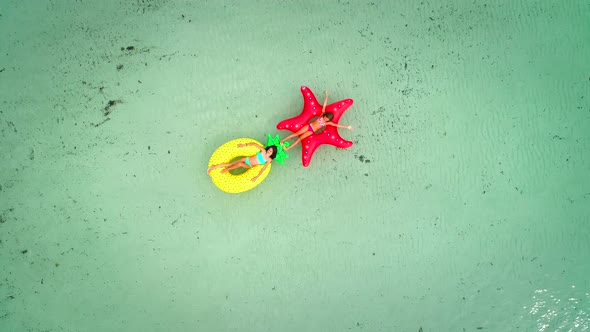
(462, 206)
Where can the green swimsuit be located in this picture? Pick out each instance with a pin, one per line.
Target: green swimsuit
(260, 158)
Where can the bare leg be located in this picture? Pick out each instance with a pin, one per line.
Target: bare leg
(299, 132)
(229, 165)
(236, 165)
(217, 166)
(301, 138)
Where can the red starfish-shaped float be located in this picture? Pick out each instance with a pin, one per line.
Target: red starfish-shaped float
(312, 108)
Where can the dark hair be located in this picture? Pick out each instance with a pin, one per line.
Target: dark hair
(274, 151)
(329, 115)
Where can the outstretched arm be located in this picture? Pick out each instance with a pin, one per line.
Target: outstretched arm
(325, 102)
(338, 125)
(252, 144)
(260, 148)
(260, 173)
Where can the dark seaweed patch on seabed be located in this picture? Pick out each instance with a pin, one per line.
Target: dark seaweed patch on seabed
(106, 111)
(3, 215)
(362, 158)
(143, 6)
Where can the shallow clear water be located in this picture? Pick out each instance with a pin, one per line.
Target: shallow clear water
(462, 206)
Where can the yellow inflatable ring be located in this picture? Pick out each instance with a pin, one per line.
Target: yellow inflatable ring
(231, 183)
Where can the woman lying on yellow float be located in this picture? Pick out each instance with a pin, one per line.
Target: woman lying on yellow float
(246, 153)
(266, 155)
